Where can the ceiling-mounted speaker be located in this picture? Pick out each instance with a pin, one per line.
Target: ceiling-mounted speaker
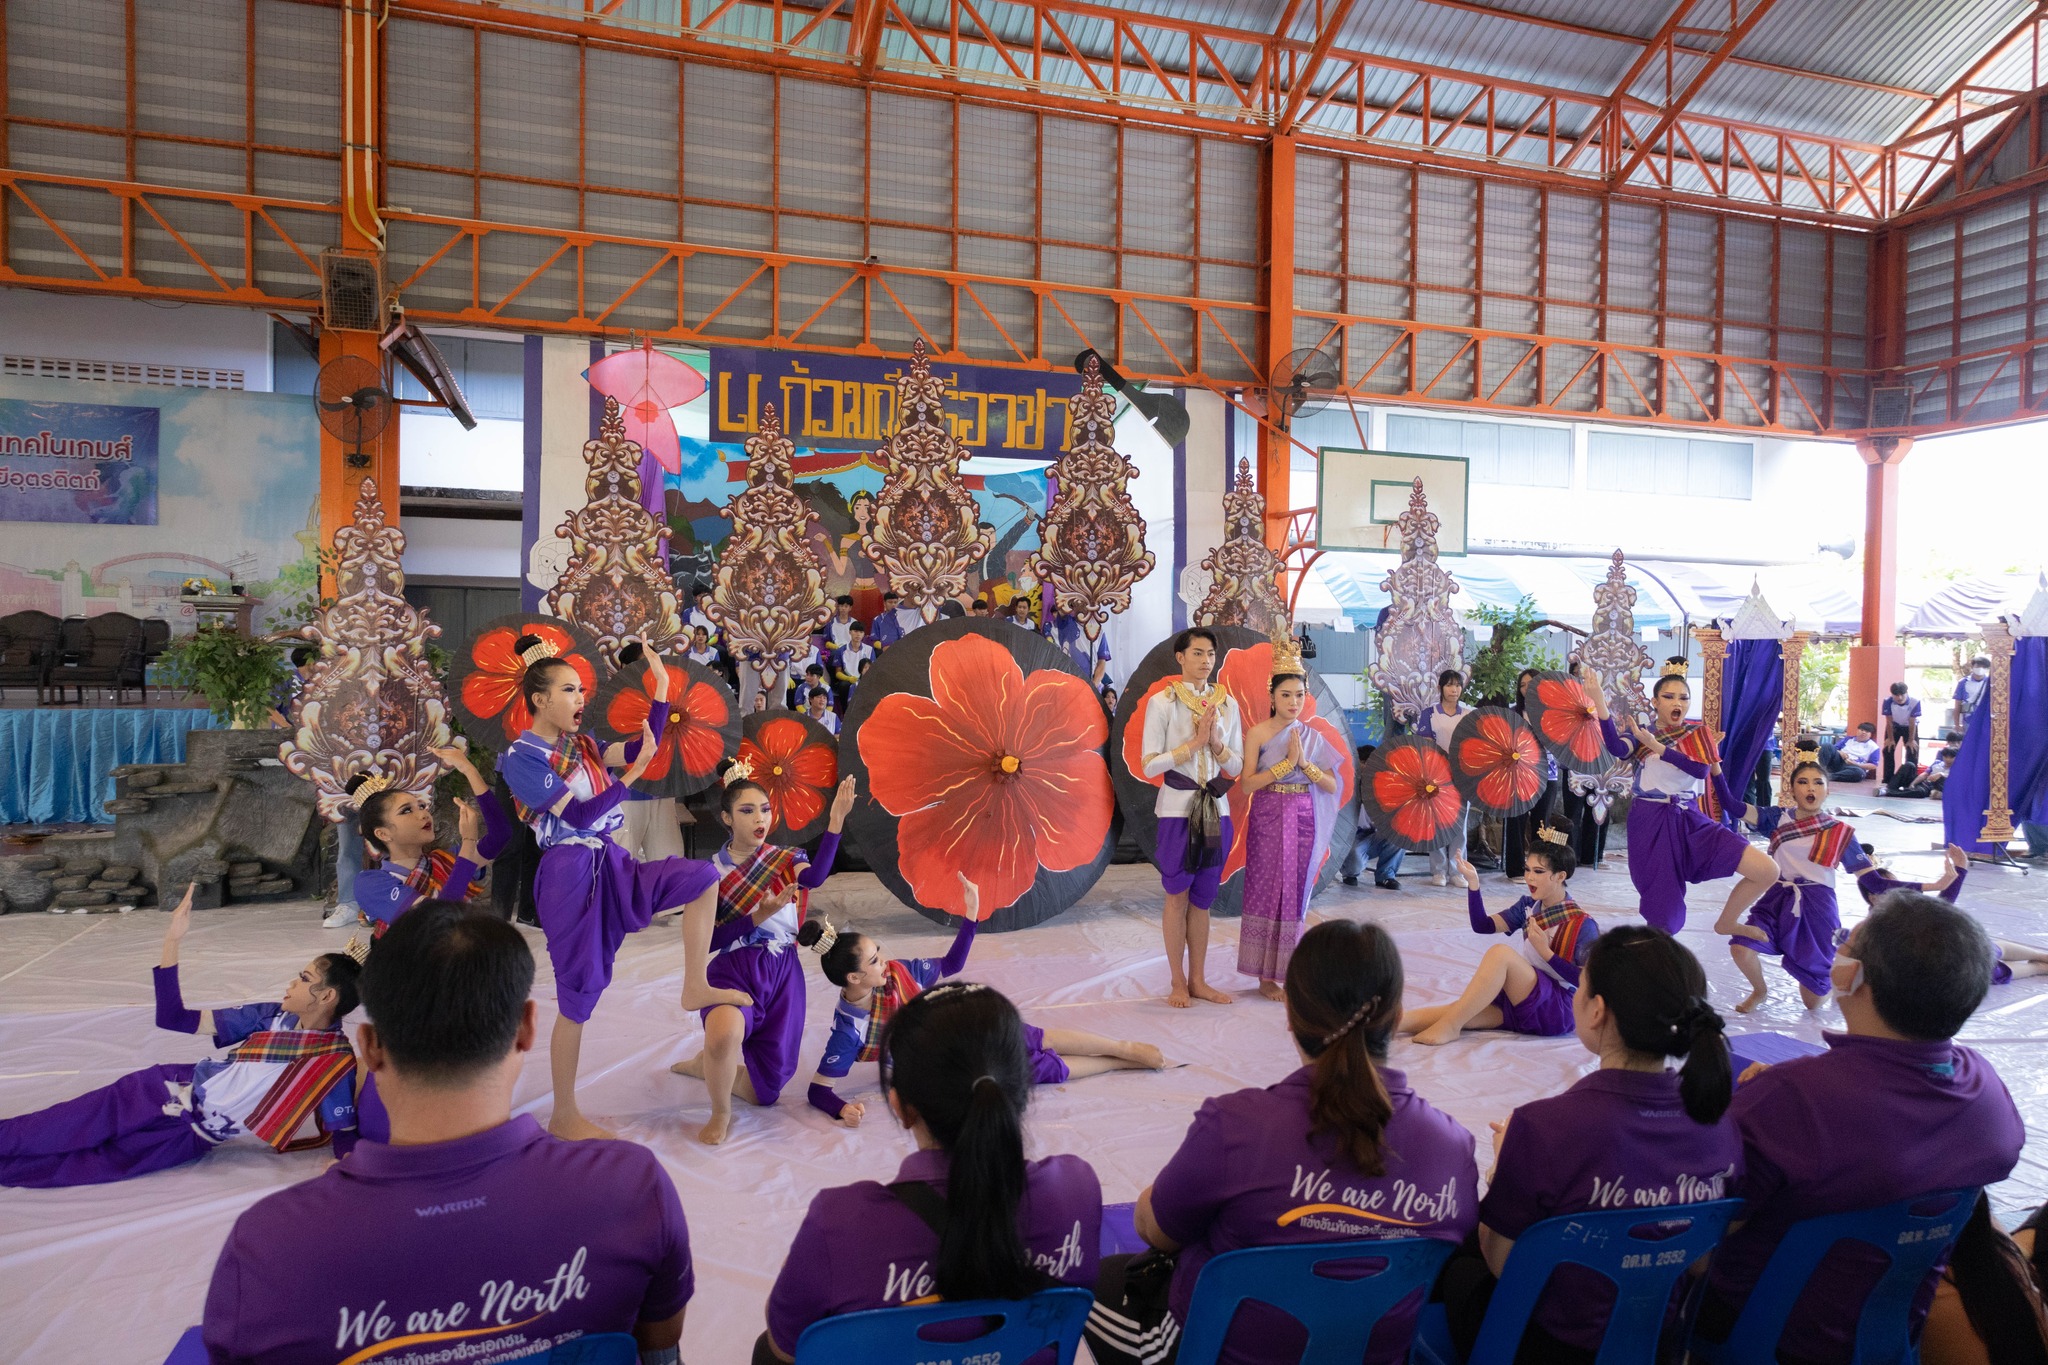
(1891, 405)
(352, 290)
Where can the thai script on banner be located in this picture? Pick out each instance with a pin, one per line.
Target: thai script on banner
(83, 462)
(829, 401)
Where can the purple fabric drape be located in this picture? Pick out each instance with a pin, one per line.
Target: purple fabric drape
(1752, 696)
(1968, 789)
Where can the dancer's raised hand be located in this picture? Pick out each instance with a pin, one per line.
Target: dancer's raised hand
(174, 932)
(842, 804)
(970, 898)
(657, 671)
(644, 757)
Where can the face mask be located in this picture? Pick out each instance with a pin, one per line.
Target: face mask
(1855, 981)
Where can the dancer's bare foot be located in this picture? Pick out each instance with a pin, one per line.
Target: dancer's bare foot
(1178, 996)
(1437, 1034)
(1141, 1055)
(690, 1066)
(574, 1127)
(1202, 990)
(1752, 1000)
(714, 1130)
(1272, 990)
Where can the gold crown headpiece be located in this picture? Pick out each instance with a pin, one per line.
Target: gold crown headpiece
(538, 650)
(1550, 834)
(827, 936)
(367, 787)
(740, 771)
(1674, 669)
(1286, 650)
(358, 948)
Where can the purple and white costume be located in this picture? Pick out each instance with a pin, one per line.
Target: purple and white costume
(1874, 881)
(1287, 836)
(1800, 912)
(1546, 1011)
(757, 959)
(1670, 840)
(1170, 723)
(386, 891)
(589, 892)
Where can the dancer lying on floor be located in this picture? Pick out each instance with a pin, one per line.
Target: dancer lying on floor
(1796, 919)
(872, 987)
(2012, 960)
(760, 892)
(1526, 985)
(398, 826)
(288, 1078)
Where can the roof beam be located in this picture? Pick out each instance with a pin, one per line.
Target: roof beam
(869, 17)
(1739, 27)
(1329, 22)
(1948, 106)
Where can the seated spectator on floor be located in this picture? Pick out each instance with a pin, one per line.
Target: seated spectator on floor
(800, 688)
(1894, 1108)
(1854, 759)
(470, 1224)
(967, 1217)
(1933, 777)
(1342, 1139)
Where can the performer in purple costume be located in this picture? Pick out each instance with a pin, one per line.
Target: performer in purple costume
(590, 893)
(1194, 742)
(1670, 840)
(873, 986)
(288, 1078)
(2010, 960)
(1526, 985)
(1797, 918)
(760, 909)
(1287, 834)
(398, 827)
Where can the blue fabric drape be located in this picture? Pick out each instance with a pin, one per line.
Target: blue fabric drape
(54, 762)
(1968, 789)
(1752, 695)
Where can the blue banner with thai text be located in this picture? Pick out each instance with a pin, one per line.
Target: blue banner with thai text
(88, 462)
(835, 402)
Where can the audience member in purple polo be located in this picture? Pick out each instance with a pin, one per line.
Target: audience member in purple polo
(1894, 1108)
(1632, 1134)
(1340, 1149)
(471, 1232)
(967, 1217)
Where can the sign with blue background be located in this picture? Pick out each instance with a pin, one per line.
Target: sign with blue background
(87, 462)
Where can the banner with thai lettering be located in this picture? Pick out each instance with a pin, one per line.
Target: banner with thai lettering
(838, 402)
(84, 462)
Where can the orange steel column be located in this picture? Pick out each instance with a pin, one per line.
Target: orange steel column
(361, 230)
(1274, 460)
(1878, 661)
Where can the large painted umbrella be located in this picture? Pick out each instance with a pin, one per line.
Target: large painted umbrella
(1409, 791)
(1497, 763)
(1245, 668)
(1561, 713)
(796, 760)
(484, 678)
(648, 383)
(977, 748)
(702, 732)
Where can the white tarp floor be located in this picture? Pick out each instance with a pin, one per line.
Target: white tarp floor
(114, 1273)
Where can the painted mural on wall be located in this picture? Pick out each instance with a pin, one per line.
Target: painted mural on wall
(236, 501)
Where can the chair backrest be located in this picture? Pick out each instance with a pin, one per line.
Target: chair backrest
(595, 1348)
(115, 635)
(156, 635)
(32, 625)
(1022, 1328)
(74, 635)
(1337, 1290)
(1642, 1251)
(1913, 1234)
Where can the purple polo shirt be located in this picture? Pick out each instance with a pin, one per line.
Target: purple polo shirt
(1870, 1121)
(1249, 1174)
(402, 1254)
(1614, 1140)
(861, 1247)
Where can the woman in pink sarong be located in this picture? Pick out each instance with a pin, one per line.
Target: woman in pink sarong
(1293, 810)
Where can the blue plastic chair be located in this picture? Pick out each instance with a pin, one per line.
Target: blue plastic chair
(1913, 1241)
(1643, 1252)
(1318, 1285)
(903, 1336)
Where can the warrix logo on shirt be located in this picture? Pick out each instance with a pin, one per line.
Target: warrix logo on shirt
(1401, 1204)
(499, 1306)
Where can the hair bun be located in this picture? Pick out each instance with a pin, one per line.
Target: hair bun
(631, 653)
(524, 643)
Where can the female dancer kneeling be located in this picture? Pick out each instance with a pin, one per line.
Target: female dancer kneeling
(1524, 986)
(589, 892)
(967, 1217)
(758, 882)
(2013, 961)
(873, 987)
(398, 826)
(1670, 841)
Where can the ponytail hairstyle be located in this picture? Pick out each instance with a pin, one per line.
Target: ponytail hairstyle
(1553, 844)
(370, 810)
(534, 680)
(1999, 1288)
(1657, 996)
(955, 1057)
(1343, 1001)
(838, 959)
(1676, 663)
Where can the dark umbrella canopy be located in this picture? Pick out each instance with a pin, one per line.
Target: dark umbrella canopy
(1561, 713)
(484, 677)
(1410, 793)
(796, 761)
(702, 732)
(1497, 763)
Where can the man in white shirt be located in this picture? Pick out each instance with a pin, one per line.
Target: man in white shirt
(1970, 691)
(1194, 740)
(841, 623)
(1855, 758)
(847, 666)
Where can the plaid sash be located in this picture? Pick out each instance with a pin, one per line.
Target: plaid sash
(744, 890)
(315, 1063)
(898, 990)
(571, 751)
(1565, 923)
(1830, 837)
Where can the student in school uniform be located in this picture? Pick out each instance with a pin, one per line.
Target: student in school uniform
(1901, 728)
(848, 662)
(889, 626)
(1971, 689)
(1441, 722)
(1854, 759)
(818, 706)
(839, 630)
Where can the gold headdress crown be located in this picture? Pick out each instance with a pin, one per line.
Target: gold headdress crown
(367, 787)
(1674, 669)
(1286, 650)
(740, 771)
(538, 650)
(827, 936)
(358, 948)
(1550, 834)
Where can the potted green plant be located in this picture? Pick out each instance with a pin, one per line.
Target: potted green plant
(237, 674)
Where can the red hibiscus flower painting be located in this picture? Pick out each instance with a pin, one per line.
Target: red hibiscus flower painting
(700, 720)
(996, 774)
(1408, 790)
(1497, 762)
(489, 689)
(1561, 711)
(795, 762)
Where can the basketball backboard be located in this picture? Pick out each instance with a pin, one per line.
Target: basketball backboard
(1360, 494)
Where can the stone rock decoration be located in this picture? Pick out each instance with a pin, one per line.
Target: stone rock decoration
(769, 595)
(925, 535)
(1092, 549)
(617, 584)
(373, 704)
(1244, 588)
(1421, 637)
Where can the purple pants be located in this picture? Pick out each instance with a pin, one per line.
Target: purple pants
(589, 899)
(1801, 921)
(1545, 1011)
(1201, 884)
(1047, 1066)
(774, 1024)
(108, 1134)
(1670, 844)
